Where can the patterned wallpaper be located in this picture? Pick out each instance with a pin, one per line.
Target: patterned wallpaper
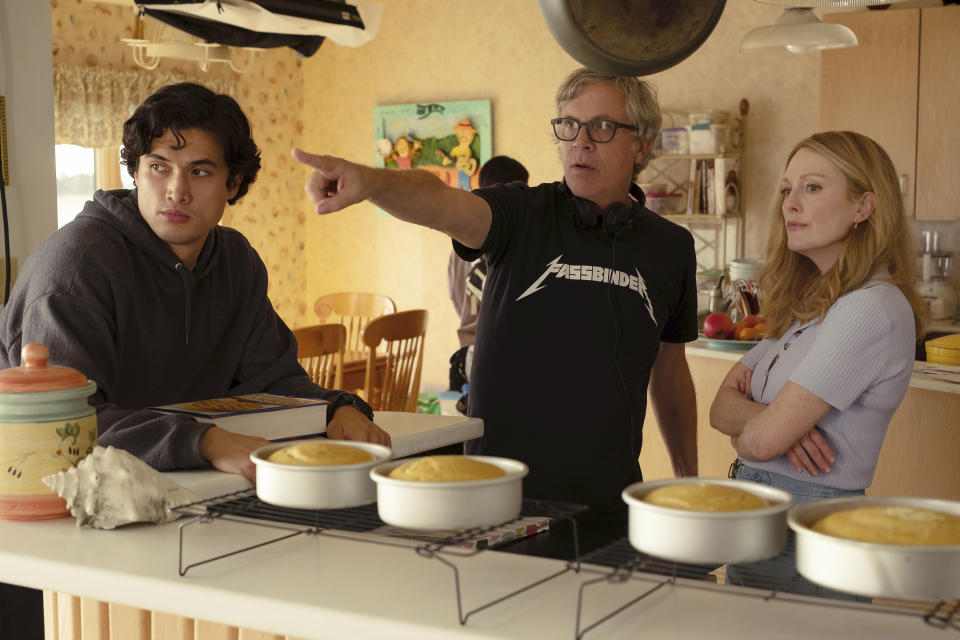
(87, 33)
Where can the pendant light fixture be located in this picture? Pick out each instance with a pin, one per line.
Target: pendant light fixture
(799, 29)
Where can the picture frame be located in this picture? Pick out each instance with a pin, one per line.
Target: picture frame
(452, 140)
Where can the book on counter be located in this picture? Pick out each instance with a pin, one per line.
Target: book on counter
(267, 415)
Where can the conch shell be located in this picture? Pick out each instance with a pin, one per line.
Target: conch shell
(111, 487)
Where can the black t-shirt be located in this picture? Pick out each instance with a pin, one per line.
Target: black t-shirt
(563, 309)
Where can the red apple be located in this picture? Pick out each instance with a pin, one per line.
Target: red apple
(718, 325)
(750, 321)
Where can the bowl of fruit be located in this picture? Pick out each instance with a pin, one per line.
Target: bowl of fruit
(721, 332)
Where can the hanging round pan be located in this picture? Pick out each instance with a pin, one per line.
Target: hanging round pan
(631, 37)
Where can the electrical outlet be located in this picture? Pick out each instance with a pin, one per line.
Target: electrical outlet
(4, 159)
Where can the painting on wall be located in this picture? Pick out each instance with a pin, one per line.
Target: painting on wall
(452, 140)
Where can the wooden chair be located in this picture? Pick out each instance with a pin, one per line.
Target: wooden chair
(397, 388)
(320, 352)
(354, 311)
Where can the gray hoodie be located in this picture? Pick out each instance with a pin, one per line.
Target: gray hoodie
(111, 299)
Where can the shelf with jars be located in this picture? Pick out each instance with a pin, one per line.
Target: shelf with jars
(694, 179)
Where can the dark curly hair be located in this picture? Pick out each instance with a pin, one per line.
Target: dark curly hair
(188, 105)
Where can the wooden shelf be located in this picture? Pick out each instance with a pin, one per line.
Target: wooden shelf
(681, 174)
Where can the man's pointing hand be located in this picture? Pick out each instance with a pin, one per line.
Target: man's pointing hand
(334, 184)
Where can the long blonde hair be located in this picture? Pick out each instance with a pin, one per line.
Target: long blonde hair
(793, 287)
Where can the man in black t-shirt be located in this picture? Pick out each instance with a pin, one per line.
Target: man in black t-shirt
(589, 297)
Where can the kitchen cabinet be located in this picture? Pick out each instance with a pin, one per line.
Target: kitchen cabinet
(938, 130)
(899, 86)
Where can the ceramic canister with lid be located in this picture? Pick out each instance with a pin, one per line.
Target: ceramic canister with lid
(46, 426)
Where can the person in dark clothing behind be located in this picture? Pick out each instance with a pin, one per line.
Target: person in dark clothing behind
(589, 297)
(496, 170)
(465, 279)
(149, 297)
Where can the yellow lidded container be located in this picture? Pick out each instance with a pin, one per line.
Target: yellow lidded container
(945, 350)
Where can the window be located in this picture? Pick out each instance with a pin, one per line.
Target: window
(75, 180)
(83, 170)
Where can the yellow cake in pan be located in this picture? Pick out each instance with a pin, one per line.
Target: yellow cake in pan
(320, 453)
(446, 469)
(892, 525)
(705, 496)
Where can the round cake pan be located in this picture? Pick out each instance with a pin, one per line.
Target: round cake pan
(705, 537)
(450, 505)
(906, 572)
(317, 487)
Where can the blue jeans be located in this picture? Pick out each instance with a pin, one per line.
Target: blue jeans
(780, 573)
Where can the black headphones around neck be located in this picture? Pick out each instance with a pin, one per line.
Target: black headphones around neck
(614, 219)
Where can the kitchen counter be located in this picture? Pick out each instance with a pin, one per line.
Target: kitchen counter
(919, 454)
(318, 586)
(951, 325)
(125, 583)
(701, 348)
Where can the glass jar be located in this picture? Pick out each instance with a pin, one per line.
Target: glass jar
(743, 291)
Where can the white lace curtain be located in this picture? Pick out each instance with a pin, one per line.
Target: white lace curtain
(91, 104)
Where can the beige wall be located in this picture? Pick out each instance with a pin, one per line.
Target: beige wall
(501, 50)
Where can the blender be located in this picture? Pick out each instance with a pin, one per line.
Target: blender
(935, 285)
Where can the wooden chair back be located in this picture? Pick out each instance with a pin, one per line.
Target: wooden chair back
(402, 335)
(354, 311)
(320, 352)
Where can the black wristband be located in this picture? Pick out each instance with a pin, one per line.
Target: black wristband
(347, 399)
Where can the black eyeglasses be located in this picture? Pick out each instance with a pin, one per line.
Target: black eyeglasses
(568, 129)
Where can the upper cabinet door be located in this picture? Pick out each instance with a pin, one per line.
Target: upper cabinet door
(938, 122)
(872, 88)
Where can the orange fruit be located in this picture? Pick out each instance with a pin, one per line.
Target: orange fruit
(761, 328)
(746, 333)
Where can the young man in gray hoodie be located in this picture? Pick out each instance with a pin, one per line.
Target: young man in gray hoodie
(145, 294)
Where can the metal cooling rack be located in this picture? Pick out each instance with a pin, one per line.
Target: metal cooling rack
(352, 523)
(626, 563)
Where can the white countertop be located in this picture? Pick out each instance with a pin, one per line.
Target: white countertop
(345, 585)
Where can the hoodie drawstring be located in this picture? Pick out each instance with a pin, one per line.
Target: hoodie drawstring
(182, 270)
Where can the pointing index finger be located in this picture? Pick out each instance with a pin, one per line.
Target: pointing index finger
(309, 159)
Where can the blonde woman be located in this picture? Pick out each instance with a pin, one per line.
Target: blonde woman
(808, 407)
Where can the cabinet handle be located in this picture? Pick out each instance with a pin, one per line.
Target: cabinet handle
(903, 184)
